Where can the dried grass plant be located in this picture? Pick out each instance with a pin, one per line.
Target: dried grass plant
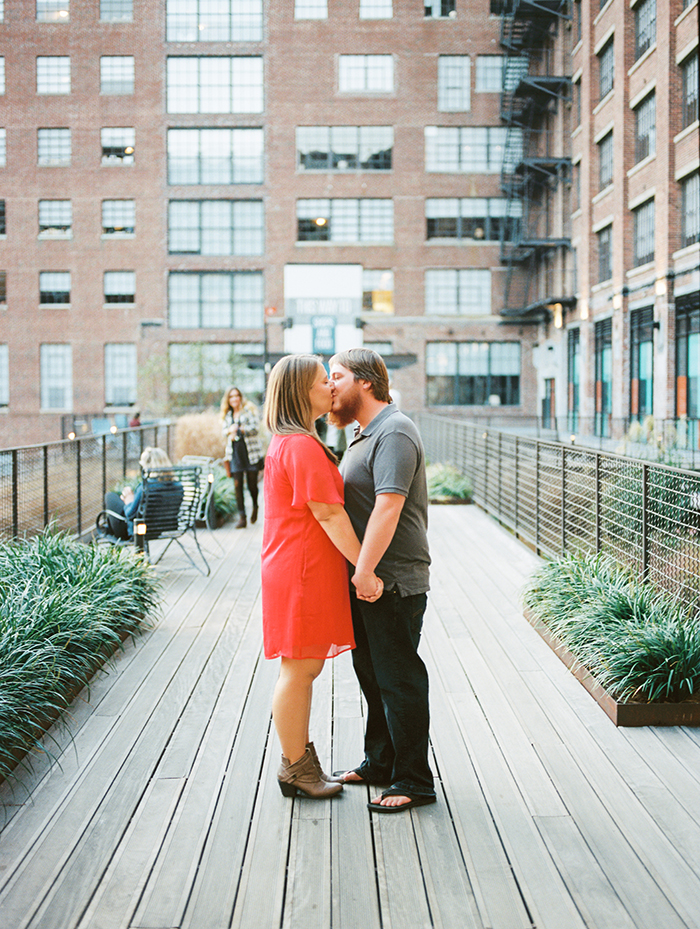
(199, 434)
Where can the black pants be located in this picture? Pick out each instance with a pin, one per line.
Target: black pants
(252, 479)
(394, 681)
(117, 527)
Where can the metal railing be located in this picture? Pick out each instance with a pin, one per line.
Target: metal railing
(64, 483)
(563, 498)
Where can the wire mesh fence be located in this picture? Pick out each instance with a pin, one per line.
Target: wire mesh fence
(564, 498)
(64, 483)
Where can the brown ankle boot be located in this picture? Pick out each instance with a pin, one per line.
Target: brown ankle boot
(324, 777)
(303, 776)
(241, 524)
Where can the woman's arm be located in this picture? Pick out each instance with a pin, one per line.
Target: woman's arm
(336, 524)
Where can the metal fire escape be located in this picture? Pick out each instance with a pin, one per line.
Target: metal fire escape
(533, 244)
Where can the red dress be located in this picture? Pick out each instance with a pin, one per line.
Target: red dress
(305, 595)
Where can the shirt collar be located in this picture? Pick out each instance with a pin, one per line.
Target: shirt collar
(378, 419)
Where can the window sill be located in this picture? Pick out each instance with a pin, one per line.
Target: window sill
(54, 306)
(602, 194)
(601, 103)
(454, 241)
(53, 164)
(681, 253)
(602, 12)
(111, 306)
(685, 12)
(118, 235)
(641, 165)
(641, 269)
(61, 236)
(602, 285)
(686, 132)
(642, 58)
(305, 244)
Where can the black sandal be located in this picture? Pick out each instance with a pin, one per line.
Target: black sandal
(413, 801)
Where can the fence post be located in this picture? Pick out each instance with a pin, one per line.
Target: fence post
(500, 472)
(537, 496)
(597, 501)
(124, 454)
(104, 465)
(517, 484)
(563, 499)
(79, 497)
(15, 494)
(645, 533)
(45, 457)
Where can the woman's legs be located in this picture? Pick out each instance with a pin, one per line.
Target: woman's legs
(240, 499)
(291, 704)
(252, 478)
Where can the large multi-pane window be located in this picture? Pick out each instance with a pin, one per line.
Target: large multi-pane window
(3, 225)
(4, 375)
(377, 291)
(2, 75)
(606, 68)
(214, 20)
(605, 244)
(489, 74)
(118, 145)
(606, 154)
(366, 73)
(311, 9)
(52, 11)
(688, 361)
(56, 367)
(3, 148)
(467, 149)
(376, 9)
(690, 209)
(55, 218)
(120, 374)
(344, 148)
(644, 233)
(472, 373)
(53, 147)
(116, 74)
(689, 75)
(437, 9)
(487, 218)
(573, 378)
(458, 292)
(348, 221)
(217, 84)
(642, 363)
(54, 287)
(215, 156)
(3, 288)
(454, 88)
(645, 127)
(216, 227)
(118, 217)
(215, 300)
(53, 74)
(644, 26)
(120, 287)
(200, 372)
(116, 11)
(603, 377)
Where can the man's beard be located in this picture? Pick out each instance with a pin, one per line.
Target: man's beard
(346, 413)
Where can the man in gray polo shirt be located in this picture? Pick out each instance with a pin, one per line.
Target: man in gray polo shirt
(387, 501)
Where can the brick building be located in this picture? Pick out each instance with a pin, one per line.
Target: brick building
(190, 189)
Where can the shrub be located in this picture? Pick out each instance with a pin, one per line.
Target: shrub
(224, 493)
(445, 481)
(199, 434)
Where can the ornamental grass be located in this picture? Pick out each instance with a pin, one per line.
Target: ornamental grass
(445, 482)
(635, 640)
(64, 609)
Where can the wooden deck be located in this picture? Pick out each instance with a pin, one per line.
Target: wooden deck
(161, 808)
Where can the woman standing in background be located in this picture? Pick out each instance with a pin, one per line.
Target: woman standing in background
(243, 449)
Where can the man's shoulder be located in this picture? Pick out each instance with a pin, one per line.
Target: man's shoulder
(397, 423)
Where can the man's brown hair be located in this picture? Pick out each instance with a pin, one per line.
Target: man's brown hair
(366, 365)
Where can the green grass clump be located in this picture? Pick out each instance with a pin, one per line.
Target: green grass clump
(64, 608)
(445, 481)
(634, 640)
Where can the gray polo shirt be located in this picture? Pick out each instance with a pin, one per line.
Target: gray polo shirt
(388, 458)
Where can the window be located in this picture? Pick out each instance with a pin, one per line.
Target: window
(215, 156)
(2, 75)
(344, 148)
(605, 241)
(3, 288)
(489, 74)
(573, 368)
(576, 185)
(645, 128)
(216, 227)
(53, 75)
(578, 21)
(377, 291)
(477, 150)
(55, 218)
(215, 85)
(4, 376)
(472, 373)
(118, 146)
(349, 221)
(606, 155)
(311, 9)
(642, 363)
(689, 74)
(376, 9)
(644, 27)
(3, 226)
(688, 359)
(487, 218)
(458, 292)
(56, 363)
(54, 147)
(120, 287)
(438, 9)
(116, 11)
(577, 102)
(120, 374)
(214, 20)
(218, 300)
(2, 11)
(52, 11)
(118, 217)
(603, 377)
(454, 83)
(3, 148)
(54, 287)
(200, 372)
(366, 73)
(116, 74)
(643, 233)
(690, 210)
(606, 68)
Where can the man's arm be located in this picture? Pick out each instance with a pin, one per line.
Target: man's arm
(336, 524)
(380, 530)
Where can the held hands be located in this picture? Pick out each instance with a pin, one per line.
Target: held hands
(369, 587)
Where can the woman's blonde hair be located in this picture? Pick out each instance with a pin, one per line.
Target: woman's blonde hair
(287, 408)
(152, 457)
(245, 404)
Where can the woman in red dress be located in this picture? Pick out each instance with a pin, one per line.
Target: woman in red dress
(307, 538)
